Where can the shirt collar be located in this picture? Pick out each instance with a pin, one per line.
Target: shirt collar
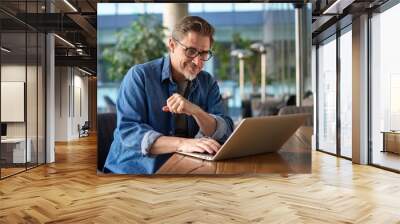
(167, 74)
(166, 69)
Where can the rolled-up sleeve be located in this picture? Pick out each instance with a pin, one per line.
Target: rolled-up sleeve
(148, 140)
(135, 133)
(220, 130)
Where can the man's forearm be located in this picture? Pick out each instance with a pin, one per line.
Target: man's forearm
(206, 122)
(165, 144)
(178, 104)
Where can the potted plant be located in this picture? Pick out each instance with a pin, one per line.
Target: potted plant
(142, 41)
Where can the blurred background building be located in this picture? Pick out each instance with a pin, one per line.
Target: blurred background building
(237, 25)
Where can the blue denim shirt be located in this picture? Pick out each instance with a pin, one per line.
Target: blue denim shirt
(140, 119)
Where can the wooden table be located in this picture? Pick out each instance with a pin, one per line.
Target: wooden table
(294, 157)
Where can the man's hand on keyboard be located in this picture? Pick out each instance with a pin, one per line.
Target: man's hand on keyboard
(200, 145)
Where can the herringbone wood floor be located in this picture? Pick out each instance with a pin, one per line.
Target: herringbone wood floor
(69, 191)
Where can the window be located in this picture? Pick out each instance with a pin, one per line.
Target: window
(327, 96)
(346, 93)
(385, 85)
(22, 66)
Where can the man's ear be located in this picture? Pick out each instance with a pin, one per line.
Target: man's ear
(171, 45)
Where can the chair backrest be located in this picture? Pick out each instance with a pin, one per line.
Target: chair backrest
(110, 105)
(86, 126)
(299, 110)
(106, 123)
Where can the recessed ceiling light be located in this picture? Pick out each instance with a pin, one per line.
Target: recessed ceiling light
(70, 5)
(84, 71)
(337, 7)
(64, 40)
(5, 50)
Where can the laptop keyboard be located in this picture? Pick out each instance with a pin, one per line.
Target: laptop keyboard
(200, 155)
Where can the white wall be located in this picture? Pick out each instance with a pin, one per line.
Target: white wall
(16, 73)
(61, 103)
(71, 94)
(33, 126)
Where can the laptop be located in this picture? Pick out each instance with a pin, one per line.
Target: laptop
(256, 135)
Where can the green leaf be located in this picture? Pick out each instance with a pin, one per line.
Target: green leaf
(142, 41)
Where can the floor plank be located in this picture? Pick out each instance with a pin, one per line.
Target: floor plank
(69, 191)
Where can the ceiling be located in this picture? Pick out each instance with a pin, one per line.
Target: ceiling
(332, 15)
(74, 21)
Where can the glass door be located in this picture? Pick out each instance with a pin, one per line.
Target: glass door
(385, 89)
(346, 93)
(326, 100)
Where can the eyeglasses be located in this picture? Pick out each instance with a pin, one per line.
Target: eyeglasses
(192, 52)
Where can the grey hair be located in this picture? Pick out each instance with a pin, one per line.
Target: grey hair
(193, 24)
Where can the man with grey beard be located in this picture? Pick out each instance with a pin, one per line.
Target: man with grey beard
(169, 105)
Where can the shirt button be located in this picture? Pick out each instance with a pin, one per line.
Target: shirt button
(171, 133)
